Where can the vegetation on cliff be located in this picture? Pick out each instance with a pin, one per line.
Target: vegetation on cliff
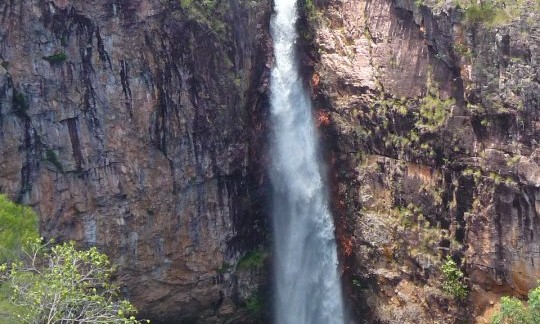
(433, 113)
(46, 283)
(453, 279)
(514, 311)
(490, 13)
(17, 225)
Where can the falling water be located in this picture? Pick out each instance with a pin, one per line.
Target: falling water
(308, 289)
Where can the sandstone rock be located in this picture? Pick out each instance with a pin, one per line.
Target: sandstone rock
(408, 189)
(133, 126)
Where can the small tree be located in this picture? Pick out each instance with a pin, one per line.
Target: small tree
(17, 224)
(453, 279)
(60, 284)
(514, 312)
(46, 283)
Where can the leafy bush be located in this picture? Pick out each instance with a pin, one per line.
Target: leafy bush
(56, 58)
(60, 284)
(453, 279)
(20, 102)
(255, 305)
(492, 13)
(514, 312)
(17, 225)
(433, 112)
(41, 283)
(311, 11)
(207, 13)
(253, 259)
(51, 157)
(478, 13)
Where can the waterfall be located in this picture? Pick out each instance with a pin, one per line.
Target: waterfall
(307, 288)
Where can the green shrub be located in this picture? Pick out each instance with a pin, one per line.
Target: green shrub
(20, 102)
(207, 13)
(513, 311)
(56, 58)
(479, 13)
(42, 283)
(61, 284)
(433, 112)
(252, 259)
(311, 12)
(492, 13)
(17, 225)
(51, 157)
(255, 305)
(7, 309)
(453, 279)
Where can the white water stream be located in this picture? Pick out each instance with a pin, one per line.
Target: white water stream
(307, 288)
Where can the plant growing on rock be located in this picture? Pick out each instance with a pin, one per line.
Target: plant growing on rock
(17, 224)
(453, 279)
(513, 311)
(45, 283)
(311, 11)
(255, 305)
(20, 102)
(433, 113)
(252, 260)
(56, 58)
(60, 284)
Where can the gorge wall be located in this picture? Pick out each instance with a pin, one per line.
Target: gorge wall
(431, 118)
(137, 126)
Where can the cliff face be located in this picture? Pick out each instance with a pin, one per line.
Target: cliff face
(137, 126)
(433, 135)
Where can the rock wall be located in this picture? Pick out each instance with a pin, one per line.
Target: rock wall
(431, 116)
(138, 126)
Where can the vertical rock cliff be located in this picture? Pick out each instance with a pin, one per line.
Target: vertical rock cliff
(431, 115)
(137, 126)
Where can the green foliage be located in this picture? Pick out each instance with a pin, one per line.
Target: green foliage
(463, 50)
(225, 267)
(61, 284)
(513, 161)
(51, 157)
(453, 279)
(514, 312)
(253, 259)
(479, 13)
(311, 12)
(56, 58)
(491, 13)
(17, 225)
(475, 173)
(255, 305)
(433, 112)
(495, 177)
(207, 13)
(405, 215)
(20, 102)
(7, 309)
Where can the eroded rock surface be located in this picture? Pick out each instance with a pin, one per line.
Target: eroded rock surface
(138, 126)
(433, 134)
